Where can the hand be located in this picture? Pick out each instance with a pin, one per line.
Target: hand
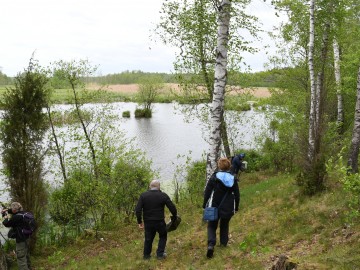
(141, 226)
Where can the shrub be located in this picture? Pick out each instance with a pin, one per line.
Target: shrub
(126, 114)
(143, 113)
(195, 180)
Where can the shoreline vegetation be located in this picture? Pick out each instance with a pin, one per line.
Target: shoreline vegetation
(169, 93)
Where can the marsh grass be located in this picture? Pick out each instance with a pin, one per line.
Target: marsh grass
(273, 219)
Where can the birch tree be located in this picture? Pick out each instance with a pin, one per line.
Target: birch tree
(340, 105)
(217, 105)
(191, 26)
(355, 141)
(312, 115)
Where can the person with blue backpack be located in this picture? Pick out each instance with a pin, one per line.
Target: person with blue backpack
(223, 189)
(22, 225)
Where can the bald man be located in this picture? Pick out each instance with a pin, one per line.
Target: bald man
(151, 206)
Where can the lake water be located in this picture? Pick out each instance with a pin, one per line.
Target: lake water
(167, 135)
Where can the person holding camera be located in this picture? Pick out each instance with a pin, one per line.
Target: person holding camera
(223, 188)
(151, 206)
(16, 223)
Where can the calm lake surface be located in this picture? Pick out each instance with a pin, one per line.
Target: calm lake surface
(167, 135)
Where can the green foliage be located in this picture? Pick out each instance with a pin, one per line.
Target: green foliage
(130, 177)
(273, 219)
(143, 113)
(195, 181)
(22, 131)
(350, 182)
(126, 114)
(131, 77)
(5, 80)
(66, 203)
(148, 91)
(68, 117)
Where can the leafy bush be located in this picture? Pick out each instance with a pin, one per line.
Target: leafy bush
(195, 180)
(126, 114)
(130, 177)
(143, 113)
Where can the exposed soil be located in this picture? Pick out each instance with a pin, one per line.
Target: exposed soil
(133, 88)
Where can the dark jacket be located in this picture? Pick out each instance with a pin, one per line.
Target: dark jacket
(152, 205)
(236, 165)
(16, 222)
(222, 182)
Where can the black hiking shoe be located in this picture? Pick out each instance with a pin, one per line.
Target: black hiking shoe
(161, 257)
(210, 252)
(146, 257)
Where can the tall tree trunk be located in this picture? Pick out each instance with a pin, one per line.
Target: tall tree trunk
(209, 85)
(224, 135)
(312, 115)
(86, 133)
(57, 145)
(355, 141)
(217, 106)
(340, 106)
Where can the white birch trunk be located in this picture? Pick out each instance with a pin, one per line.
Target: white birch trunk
(340, 107)
(317, 103)
(217, 106)
(312, 115)
(355, 141)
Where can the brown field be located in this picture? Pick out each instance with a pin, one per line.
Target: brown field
(133, 88)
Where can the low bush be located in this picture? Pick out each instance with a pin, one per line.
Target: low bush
(143, 113)
(126, 114)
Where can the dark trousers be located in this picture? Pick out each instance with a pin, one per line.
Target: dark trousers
(151, 228)
(224, 231)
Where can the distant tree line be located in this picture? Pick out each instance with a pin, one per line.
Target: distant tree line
(258, 79)
(5, 80)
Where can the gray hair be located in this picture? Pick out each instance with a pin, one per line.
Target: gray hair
(16, 206)
(155, 185)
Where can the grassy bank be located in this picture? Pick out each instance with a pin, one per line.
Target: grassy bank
(273, 220)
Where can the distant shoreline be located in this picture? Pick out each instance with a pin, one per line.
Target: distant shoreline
(259, 92)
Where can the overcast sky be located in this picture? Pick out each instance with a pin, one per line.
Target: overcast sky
(113, 34)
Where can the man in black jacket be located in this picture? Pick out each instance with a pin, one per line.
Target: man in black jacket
(151, 206)
(16, 222)
(237, 164)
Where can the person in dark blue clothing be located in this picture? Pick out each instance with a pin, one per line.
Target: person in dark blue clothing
(15, 221)
(226, 189)
(237, 164)
(151, 206)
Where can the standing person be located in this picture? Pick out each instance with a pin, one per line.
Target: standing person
(16, 222)
(237, 164)
(151, 206)
(226, 190)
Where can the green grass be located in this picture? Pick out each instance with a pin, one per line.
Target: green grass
(273, 219)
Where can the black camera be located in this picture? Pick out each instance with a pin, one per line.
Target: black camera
(4, 212)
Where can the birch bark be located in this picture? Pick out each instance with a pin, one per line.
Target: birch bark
(355, 141)
(340, 109)
(312, 115)
(217, 106)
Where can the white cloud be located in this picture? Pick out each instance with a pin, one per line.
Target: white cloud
(110, 33)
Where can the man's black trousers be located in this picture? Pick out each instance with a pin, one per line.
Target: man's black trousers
(151, 228)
